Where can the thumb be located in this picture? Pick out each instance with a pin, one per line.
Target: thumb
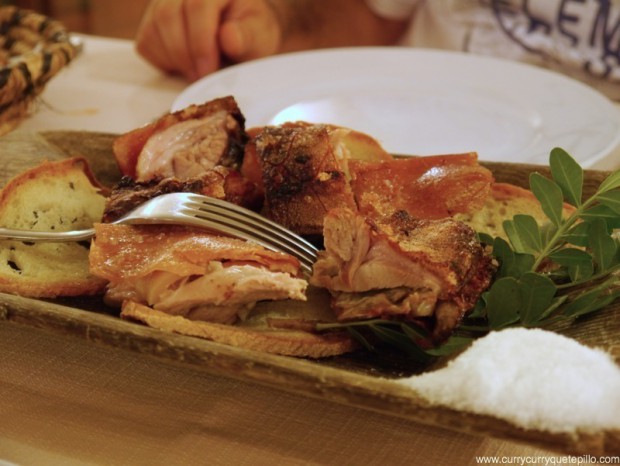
(246, 39)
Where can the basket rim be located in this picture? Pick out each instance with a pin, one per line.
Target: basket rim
(42, 46)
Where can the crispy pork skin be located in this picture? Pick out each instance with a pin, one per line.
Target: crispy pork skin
(437, 186)
(185, 143)
(190, 272)
(347, 144)
(219, 182)
(303, 176)
(401, 267)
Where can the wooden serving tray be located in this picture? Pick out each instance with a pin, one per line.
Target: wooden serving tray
(361, 380)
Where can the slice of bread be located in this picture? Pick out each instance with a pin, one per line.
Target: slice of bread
(256, 336)
(57, 196)
(504, 202)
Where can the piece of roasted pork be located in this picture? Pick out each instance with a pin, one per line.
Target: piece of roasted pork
(401, 267)
(190, 272)
(185, 143)
(303, 175)
(432, 187)
(309, 169)
(219, 182)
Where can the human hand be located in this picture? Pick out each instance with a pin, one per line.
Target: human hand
(195, 37)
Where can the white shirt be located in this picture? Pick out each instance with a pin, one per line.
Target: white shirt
(580, 38)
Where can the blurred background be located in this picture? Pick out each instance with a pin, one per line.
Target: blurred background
(110, 18)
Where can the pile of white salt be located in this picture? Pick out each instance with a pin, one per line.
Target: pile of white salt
(534, 378)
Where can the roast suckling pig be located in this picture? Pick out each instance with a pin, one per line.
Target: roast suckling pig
(219, 182)
(191, 272)
(185, 143)
(392, 248)
(309, 169)
(426, 270)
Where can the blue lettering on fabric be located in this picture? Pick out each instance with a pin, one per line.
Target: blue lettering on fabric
(583, 32)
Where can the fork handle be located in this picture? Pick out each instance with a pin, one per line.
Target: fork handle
(46, 236)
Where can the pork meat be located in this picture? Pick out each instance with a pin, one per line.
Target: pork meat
(401, 267)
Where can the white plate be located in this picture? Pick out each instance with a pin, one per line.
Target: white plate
(423, 102)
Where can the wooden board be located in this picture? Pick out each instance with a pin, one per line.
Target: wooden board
(361, 379)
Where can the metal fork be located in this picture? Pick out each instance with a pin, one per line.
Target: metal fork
(198, 211)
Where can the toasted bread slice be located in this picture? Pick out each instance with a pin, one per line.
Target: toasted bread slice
(58, 196)
(504, 202)
(260, 337)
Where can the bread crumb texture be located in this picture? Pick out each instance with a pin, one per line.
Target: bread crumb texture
(533, 378)
(54, 196)
(504, 203)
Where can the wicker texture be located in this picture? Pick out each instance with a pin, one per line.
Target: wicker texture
(33, 49)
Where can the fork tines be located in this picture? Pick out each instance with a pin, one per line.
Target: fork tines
(238, 221)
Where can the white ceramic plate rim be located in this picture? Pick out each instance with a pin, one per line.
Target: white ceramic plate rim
(422, 102)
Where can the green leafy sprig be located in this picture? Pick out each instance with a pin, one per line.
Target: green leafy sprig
(547, 274)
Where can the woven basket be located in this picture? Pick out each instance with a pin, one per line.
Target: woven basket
(33, 49)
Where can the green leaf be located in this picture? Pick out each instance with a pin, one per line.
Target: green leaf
(602, 211)
(524, 263)
(549, 195)
(578, 235)
(485, 238)
(452, 344)
(524, 234)
(511, 264)
(414, 332)
(503, 302)
(401, 341)
(605, 300)
(580, 306)
(505, 256)
(479, 310)
(547, 232)
(567, 174)
(609, 183)
(578, 262)
(555, 304)
(611, 199)
(360, 338)
(570, 256)
(616, 260)
(590, 301)
(513, 236)
(537, 292)
(581, 272)
(603, 246)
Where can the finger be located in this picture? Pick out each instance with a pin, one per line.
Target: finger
(148, 42)
(202, 20)
(250, 33)
(161, 37)
(171, 27)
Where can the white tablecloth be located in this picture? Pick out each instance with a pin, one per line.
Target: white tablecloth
(108, 88)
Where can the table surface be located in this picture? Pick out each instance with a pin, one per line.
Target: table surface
(108, 88)
(65, 401)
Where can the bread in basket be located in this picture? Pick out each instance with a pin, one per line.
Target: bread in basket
(33, 49)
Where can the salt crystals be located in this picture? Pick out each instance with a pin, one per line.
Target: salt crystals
(533, 378)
